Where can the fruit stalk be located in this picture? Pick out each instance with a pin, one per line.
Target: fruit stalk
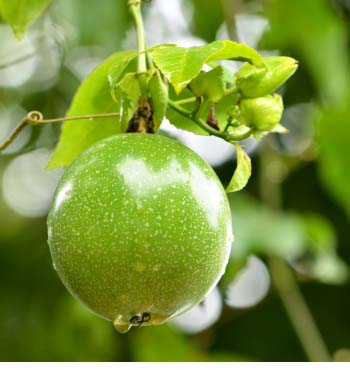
(135, 9)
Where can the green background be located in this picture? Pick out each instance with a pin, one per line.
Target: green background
(303, 173)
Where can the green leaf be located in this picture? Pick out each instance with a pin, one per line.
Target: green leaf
(243, 171)
(20, 13)
(210, 84)
(231, 50)
(126, 94)
(93, 97)
(160, 96)
(181, 65)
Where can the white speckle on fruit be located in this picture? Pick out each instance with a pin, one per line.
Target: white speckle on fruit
(140, 267)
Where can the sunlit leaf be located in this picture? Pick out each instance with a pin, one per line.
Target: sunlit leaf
(20, 13)
(93, 97)
(243, 171)
(181, 65)
(231, 50)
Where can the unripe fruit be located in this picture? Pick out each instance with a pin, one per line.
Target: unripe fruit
(263, 114)
(253, 82)
(139, 229)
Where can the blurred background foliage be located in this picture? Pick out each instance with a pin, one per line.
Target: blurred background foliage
(293, 216)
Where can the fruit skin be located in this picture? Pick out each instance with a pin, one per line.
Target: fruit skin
(139, 224)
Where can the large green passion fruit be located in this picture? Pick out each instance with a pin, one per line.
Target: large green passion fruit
(139, 229)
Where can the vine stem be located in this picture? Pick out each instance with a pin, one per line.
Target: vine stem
(36, 118)
(211, 131)
(284, 279)
(135, 9)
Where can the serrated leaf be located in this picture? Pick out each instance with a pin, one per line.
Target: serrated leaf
(243, 171)
(210, 84)
(93, 97)
(20, 13)
(181, 65)
(160, 97)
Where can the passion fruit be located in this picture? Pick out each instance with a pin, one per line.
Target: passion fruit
(139, 229)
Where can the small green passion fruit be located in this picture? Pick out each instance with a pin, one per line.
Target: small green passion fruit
(139, 229)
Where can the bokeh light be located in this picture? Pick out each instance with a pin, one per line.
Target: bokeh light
(27, 187)
(9, 118)
(201, 316)
(250, 285)
(23, 53)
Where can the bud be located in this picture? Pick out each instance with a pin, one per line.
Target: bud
(254, 81)
(262, 114)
